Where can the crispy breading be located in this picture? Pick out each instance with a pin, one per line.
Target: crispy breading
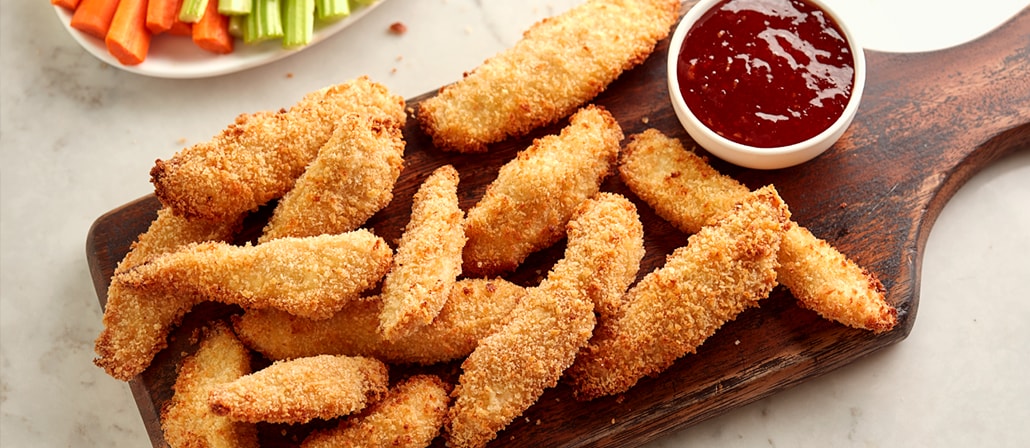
(259, 156)
(428, 257)
(169, 232)
(350, 180)
(559, 64)
(606, 236)
(526, 207)
(510, 369)
(136, 327)
(311, 276)
(724, 269)
(409, 416)
(187, 420)
(302, 389)
(686, 191)
(475, 309)
(679, 185)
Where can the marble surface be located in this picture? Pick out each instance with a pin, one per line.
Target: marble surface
(78, 138)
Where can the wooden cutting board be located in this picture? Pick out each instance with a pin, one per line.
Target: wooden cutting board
(927, 123)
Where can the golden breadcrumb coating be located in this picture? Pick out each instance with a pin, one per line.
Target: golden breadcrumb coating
(302, 389)
(686, 191)
(351, 179)
(136, 327)
(827, 282)
(169, 232)
(257, 158)
(606, 236)
(428, 257)
(510, 369)
(475, 309)
(724, 269)
(409, 416)
(559, 64)
(679, 185)
(187, 420)
(311, 276)
(526, 207)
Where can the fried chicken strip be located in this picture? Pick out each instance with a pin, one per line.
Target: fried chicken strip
(510, 369)
(559, 64)
(428, 257)
(606, 236)
(724, 269)
(135, 327)
(409, 416)
(258, 158)
(475, 309)
(312, 276)
(526, 207)
(686, 191)
(350, 180)
(187, 421)
(299, 390)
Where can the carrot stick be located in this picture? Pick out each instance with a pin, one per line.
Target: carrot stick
(211, 32)
(180, 28)
(129, 39)
(161, 14)
(94, 17)
(66, 4)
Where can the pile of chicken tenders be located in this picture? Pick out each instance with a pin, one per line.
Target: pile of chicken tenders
(334, 307)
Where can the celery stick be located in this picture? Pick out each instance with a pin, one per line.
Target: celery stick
(264, 22)
(329, 10)
(234, 7)
(236, 25)
(298, 22)
(192, 10)
(355, 4)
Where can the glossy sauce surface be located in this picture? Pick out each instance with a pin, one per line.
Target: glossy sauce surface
(766, 73)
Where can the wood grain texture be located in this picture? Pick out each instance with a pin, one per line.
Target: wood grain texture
(927, 123)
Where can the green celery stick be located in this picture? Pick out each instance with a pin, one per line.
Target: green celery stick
(192, 10)
(264, 22)
(236, 25)
(329, 10)
(234, 7)
(298, 22)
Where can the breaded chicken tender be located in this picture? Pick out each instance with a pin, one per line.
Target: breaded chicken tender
(428, 257)
(187, 420)
(510, 369)
(559, 64)
(475, 309)
(136, 328)
(258, 158)
(606, 236)
(526, 207)
(312, 277)
(409, 416)
(686, 191)
(724, 269)
(299, 390)
(351, 179)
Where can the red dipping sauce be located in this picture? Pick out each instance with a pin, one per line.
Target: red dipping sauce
(766, 73)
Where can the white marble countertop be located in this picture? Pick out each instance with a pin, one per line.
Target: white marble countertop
(78, 138)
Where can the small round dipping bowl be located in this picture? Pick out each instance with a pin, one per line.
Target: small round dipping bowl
(784, 154)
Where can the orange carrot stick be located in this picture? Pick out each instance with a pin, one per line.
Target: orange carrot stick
(129, 39)
(94, 16)
(211, 32)
(180, 28)
(161, 14)
(66, 4)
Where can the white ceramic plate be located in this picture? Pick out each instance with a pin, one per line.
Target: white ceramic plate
(177, 56)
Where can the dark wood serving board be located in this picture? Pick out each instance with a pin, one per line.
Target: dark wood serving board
(927, 123)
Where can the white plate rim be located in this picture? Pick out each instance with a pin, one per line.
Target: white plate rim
(177, 57)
